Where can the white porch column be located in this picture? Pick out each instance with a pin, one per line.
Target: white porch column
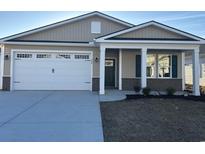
(144, 67)
(196, 71)
(102, 70)
(120, 69)
(183, 70)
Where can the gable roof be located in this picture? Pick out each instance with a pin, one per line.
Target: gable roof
(65, 22)
(160, 25)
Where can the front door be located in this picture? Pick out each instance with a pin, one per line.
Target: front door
(109, 73)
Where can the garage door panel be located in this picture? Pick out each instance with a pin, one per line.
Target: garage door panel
(52, 73)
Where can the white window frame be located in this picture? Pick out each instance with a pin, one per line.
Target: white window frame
(155, 66)
(159, 67)
(202, 72)
(95, 27)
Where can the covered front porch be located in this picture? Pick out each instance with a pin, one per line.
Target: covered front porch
(157, 66)
(151, 55)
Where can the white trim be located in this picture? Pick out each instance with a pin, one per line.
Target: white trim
(150, 41)
(102, 70)
(2, 67)
(66, 22)
(150, 46)
(143, 67)
(170, 66)
(155, 65)
(196, 71)
(47, 51)
(91, 74)
(11, 69)
(183, 70)
(120, 69)
(50, 44)
(51, 51)
(145, 25)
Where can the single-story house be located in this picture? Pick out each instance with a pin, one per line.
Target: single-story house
(96, 51)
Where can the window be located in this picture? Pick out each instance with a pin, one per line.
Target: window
(81, 56)
(164, 66)
(151, 65)
(202, 70)
(95, 27)
(159, 66)
(23, 55)
(43, 56)
(63, 56)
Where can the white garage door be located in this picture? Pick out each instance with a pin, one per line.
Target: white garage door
(52, 71)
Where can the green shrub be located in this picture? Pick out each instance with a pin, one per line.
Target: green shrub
(202, 90)
(146, 91)
(170, 91)
(137, 88)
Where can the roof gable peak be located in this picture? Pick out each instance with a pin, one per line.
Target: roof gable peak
(90, 14)
(151, 23)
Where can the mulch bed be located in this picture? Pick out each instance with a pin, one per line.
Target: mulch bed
(194, 98)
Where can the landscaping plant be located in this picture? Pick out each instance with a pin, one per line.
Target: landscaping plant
(146, 91)
(170, 91)
(137, 89)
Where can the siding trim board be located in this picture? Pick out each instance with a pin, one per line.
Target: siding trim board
(48, 41)
(149, 39)
(90, 44)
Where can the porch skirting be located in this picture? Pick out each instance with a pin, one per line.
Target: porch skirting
(154, 84)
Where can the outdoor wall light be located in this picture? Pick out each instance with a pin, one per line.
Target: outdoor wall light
(96, 59)
(6, 57)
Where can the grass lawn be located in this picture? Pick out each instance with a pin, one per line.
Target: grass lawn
(153, 120)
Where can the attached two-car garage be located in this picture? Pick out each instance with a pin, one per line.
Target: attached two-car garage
(44, 70)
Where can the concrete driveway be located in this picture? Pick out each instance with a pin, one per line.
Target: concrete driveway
(50, 116)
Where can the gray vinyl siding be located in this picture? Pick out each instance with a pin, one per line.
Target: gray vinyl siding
(76, 31)
(151, 32)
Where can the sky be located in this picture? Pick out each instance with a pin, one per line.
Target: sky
(16, 22)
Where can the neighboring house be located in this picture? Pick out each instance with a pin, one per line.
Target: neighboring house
(96, 51)
(188, 67)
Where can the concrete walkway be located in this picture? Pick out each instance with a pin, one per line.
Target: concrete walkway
(50, 116)
(114, 95)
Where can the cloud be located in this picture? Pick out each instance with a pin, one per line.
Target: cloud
(177, 17)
